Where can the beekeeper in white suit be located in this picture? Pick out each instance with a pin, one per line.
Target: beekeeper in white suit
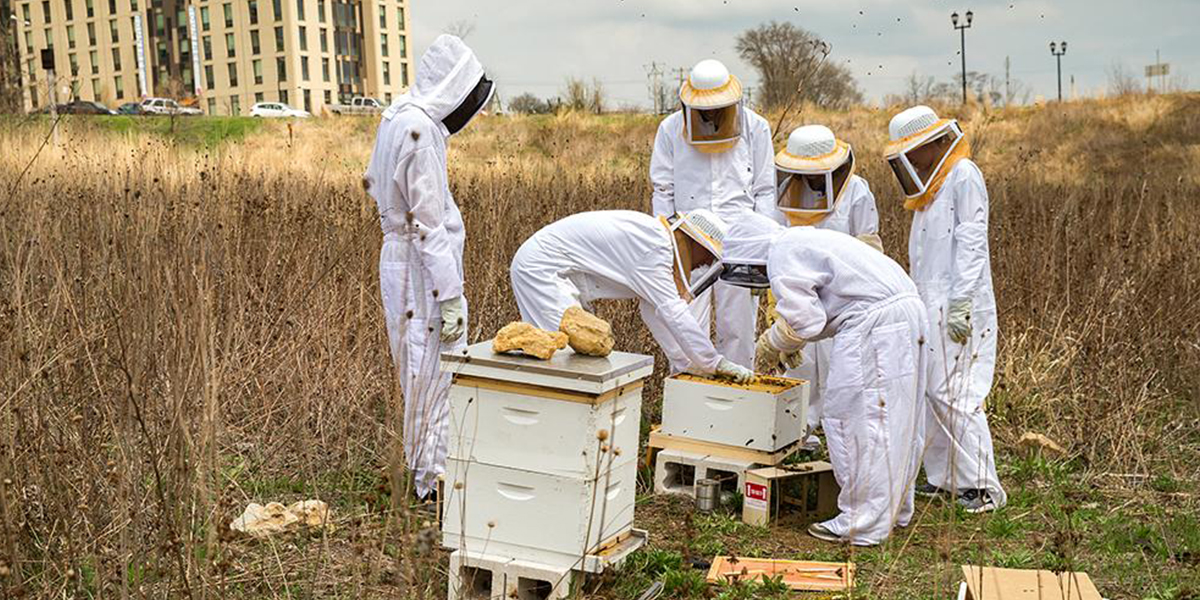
(613, 254)
(817, 186)
(420, 265)
(829, 285)
(715, 154)
(949, 261)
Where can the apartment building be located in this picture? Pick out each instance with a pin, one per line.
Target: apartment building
(227, 54)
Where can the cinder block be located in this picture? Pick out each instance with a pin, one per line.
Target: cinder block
(475, 576)
(533, 581)
(676, 472)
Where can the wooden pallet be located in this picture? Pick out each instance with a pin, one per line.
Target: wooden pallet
(799, 575)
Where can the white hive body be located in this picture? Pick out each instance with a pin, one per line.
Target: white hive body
(542, 460)
(765, 416)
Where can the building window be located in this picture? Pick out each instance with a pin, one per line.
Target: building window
(70, 10)
(279, 39)
(308, 100)
(91, 10)
(325, 69)
(45, 11)
(300, 9)
(258, 96)
(212, 106)
(253, 12)
(208, 77)
(387, 73)
(400, 18)
(383, 46)
(235, 105)
(133, 5)
(94, 58)
(321, 10)
(116, 54)
(303, 39)
(383, 17)
(120, 88)
(25, 11)
(255, 46)
(112, 7)
(46, 38)
(206, 42)
(205, 24)
(91, 27)
(74, 65)
(28, 42)
(304, 68)
(277, 9)
(283, 96)
(233, 75)
(328, 97)
(114, 33)
(324, 40)
(258, 78)
(95, 89)
(281, 68)
(71, 37)
(404, 76)
(228, 8)
(403, 47)
(230, 50)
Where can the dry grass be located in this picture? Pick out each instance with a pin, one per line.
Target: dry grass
(184, 328)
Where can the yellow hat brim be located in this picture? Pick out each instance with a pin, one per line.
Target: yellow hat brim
(814, 164)
(730, 93)
(896, 147)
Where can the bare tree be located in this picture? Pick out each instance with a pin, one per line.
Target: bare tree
(460, 28)
(10, 62)
(578, 95)
(1122, 81)
(790, 62)
(528, 104)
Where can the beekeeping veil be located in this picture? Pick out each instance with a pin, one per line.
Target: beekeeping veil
(712, 107)
(747, 248)
(697, 240)
(450, 86)
(939, 143)
(811, 174)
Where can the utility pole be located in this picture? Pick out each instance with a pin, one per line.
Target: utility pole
(963, 49)
(1058, 54)
(1007, 87)
(658, 92)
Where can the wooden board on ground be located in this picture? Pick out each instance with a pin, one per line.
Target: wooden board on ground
(659, 440)
(991, 583)
(799, 575)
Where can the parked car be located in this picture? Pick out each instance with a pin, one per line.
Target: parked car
(129, 108)
(277, 109)
(358, 106)
(167, 106)
(84, 107)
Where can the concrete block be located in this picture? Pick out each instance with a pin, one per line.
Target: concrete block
(676, 472)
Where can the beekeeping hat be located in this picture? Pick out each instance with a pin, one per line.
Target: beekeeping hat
(811, 174)
(711, 99)
(747, 248)
(698, 241)
(909, 132)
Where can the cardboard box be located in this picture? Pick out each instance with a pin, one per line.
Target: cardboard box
(808, 490)
(991, 583)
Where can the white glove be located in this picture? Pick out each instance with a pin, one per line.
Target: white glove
(454, 321)
(769, 359)
(958, 320)
(730, 370)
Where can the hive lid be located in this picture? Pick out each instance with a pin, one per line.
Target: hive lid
(566, 369)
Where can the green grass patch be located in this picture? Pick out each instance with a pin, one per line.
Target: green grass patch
(193, 131)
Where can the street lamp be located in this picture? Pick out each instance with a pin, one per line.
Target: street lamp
(962, 29)
(1058, 54)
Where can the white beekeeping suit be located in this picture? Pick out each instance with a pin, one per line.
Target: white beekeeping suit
(615, 254)
(420, 264)
(728, 172)
(850, 209)
(950, 262)
(830, 285)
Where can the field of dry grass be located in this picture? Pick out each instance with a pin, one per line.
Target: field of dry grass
(190, 320)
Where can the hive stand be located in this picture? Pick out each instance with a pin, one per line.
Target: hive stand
(486, 577)
(680, 462)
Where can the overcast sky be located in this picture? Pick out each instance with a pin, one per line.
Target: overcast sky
(533, 45)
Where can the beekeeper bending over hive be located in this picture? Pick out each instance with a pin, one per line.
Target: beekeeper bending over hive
(664, 263)
(830, 285)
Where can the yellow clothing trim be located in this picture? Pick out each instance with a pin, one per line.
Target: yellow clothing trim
(961, 150)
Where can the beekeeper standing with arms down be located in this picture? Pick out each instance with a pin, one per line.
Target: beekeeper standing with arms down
(420, 264)
(829, 285)
(816, 173)
(663, 263)
(715, 154)
(949, 261)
